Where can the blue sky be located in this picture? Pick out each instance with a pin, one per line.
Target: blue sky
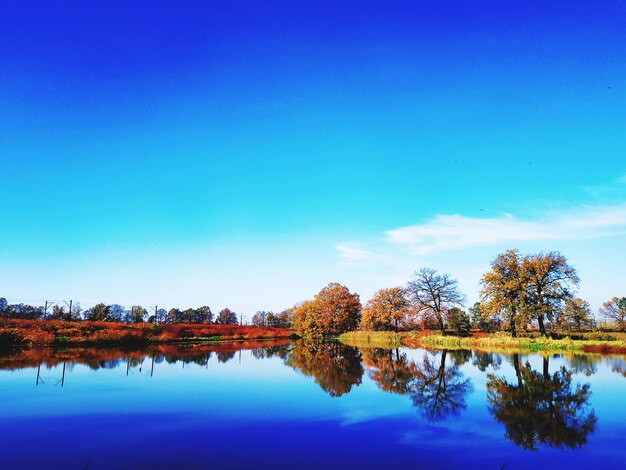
(245, 154)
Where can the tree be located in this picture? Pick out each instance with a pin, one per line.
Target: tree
(503, 289)
(285, 318)
(137, 314)
(174, 316)
(458, 321)
(160, 316)
(59, 313)
(270, 319)
(433, 294)
(615, 310)
(3, 305)
(305, 319)
(227, 317)
(259, 318)
(118, 313)
(338, 310)
(204, 314)
(22, 311)
(483, 319)
(548, 280)
(576, 315)
(386, 310)
(188, 316)
(99, 312)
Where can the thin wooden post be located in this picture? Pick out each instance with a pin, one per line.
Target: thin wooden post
(38, 369)
(63, 376)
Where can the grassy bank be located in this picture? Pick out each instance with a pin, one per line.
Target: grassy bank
(60, 333)
(600, 343)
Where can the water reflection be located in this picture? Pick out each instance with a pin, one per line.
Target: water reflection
(483, 360)
(111, 358)
(535, 407)
(437, 388)
(335, 367)
(540, 407)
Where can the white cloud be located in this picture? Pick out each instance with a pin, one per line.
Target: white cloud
(455, 232)
(352, 254)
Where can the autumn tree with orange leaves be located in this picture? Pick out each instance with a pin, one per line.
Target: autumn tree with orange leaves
(334, 310)
(388, 309)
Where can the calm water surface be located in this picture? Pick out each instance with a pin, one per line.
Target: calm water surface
(305, 405)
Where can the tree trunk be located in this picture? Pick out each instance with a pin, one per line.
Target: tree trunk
(512, 326)
(542, 327)
(546, 367)
(441, 325)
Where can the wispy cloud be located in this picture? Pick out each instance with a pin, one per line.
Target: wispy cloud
(352, 254)
(455, 232)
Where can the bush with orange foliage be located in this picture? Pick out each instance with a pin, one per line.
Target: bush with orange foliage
(51, 332)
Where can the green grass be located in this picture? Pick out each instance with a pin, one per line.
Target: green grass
(374, 339)
(493, 342)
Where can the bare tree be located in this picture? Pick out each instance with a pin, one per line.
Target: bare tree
(615, 310)
(434, 294)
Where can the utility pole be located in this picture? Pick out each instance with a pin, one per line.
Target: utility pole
(70, 307)
(45, 310)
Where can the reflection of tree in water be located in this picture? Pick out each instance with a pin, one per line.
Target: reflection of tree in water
(483, 360)
(436, 388)
(224, 356)
(334, 366)
(271, 351)
(584, 364)
(460, 356)
(541, 408)
(618, 365)
(391, 370)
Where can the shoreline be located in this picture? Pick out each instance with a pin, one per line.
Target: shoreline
(490, 342)
(54, 333)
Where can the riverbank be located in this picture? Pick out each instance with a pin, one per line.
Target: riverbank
(85, 333)
(604, 343)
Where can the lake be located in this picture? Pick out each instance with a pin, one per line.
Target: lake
(309, 405)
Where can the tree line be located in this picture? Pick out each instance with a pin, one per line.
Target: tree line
(519, 292)
(116, 313)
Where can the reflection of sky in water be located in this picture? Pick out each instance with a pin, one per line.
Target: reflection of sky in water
(251, 411)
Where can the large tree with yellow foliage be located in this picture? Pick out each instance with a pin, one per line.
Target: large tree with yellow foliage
(529, 287)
